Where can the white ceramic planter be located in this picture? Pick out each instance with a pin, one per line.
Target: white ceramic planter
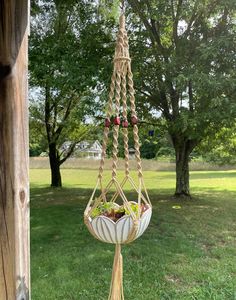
(118, 232)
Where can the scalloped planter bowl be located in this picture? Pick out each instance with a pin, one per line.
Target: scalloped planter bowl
(118, 232)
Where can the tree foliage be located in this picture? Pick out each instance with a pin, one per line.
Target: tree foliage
(67, 54)
(183, 63)
(221, 148)
(185, 68)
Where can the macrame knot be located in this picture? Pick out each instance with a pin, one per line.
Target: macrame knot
(112, 217)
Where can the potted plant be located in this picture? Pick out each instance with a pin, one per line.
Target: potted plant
(119, 224)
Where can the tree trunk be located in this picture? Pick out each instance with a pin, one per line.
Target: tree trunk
(183, 148)
(55, 166)
(182, 172)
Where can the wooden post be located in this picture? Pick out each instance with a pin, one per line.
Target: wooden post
(14, 186)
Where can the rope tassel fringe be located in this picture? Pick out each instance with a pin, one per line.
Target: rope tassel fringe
(116, 288)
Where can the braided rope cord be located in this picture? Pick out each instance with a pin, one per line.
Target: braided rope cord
(122, 68)
(116, 127)
(121, 83)
(125, 131)
(135, 127)
(124, 101)
(118, 89)
(106, 130)
(118, 66)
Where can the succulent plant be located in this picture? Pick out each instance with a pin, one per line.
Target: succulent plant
(112, 211)
(95, 212)
(134, 207)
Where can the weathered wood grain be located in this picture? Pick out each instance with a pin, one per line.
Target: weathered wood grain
(14, 189)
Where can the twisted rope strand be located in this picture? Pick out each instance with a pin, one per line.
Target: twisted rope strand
(135, 127)
(125, 130)
(118, 63)
(116, 127)
(106, 129)
(121, 81)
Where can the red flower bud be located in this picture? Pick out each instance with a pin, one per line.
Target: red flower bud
(134, 120)
(107, 123)
(116, 121)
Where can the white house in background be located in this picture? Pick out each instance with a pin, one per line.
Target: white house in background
(85, 149)
(89, 150)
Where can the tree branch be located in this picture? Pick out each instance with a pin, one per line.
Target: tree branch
(47, 113)
(151, 27)
(72, 147)
(66, 115)
(192, 19)
(69, 153)
(190, 93)
(176, 20)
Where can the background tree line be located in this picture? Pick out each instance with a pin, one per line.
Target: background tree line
(184, 61)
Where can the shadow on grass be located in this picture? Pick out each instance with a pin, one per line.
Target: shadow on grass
(188, 251)
(184, 247)
(79, 197)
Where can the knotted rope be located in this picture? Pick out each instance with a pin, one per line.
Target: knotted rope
(122, 70)
(121, 82)
(106, 130)
(122, 67)
(116, 287)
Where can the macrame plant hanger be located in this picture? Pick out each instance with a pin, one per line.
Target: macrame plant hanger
(131, 226)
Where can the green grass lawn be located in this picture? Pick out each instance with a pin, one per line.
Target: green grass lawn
(186, 253)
